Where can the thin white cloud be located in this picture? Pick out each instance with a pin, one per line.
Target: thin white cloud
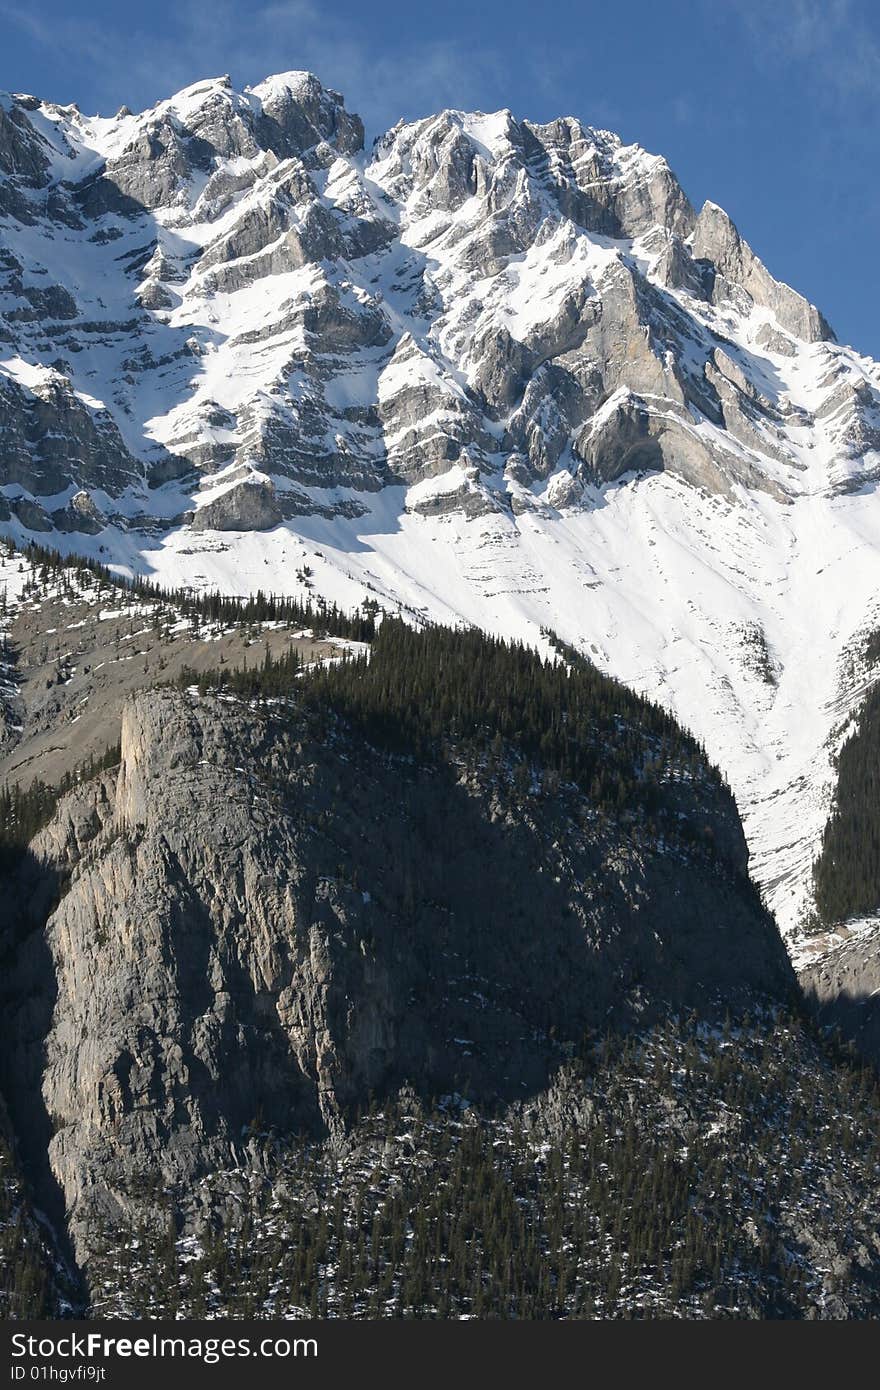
(832, 39)
(136, 66)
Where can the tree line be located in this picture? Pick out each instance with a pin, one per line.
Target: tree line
(846, 875)
(415, 692)
(210, 606)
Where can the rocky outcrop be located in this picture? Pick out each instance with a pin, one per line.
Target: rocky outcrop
(631, 435)
(287, 116)
(249, 505)
(737, 270)
(256, 924)
(21, 157)
(33, 300)
(605, 186)
(843, 985)
(480, 286)
(81, 514)
(53, 440)
(298, 114)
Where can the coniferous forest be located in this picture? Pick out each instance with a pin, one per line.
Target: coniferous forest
(847, 872)
(412, 690)
(209, 606)
(669, 1207)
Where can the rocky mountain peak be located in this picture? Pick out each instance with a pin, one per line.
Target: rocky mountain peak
(736, 268)
(465, 352)
(297, 112)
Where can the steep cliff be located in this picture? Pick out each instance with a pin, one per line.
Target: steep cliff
(270, 918)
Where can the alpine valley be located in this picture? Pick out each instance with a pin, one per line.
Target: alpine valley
(439, 725)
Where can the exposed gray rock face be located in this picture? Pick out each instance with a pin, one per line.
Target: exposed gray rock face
(630, 436)
(844, 986)
(298, 114)
(20, 154)
(151, 171)
(256, 921)
(774, 341)
(153, 295)
(81, 514)
(52, 440)
(625, 442)
(288, 118)
(748, 417)
(291, 214)
(587, 167)
(31, 515)
(466, 498)
(251, 505)
(415, 394)
(40, 303)
(478, 285)
(715, 239)
(221, 121)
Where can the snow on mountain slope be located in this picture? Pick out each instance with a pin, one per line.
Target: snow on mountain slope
(489, 371)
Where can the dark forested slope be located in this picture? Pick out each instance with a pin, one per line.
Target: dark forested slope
(847, 872)
(449, 882)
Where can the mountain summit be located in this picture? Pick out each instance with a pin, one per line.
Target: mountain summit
(487, 370)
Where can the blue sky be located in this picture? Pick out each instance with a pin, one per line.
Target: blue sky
(769, 107)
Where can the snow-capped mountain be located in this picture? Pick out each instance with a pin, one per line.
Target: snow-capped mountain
(486, 370)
